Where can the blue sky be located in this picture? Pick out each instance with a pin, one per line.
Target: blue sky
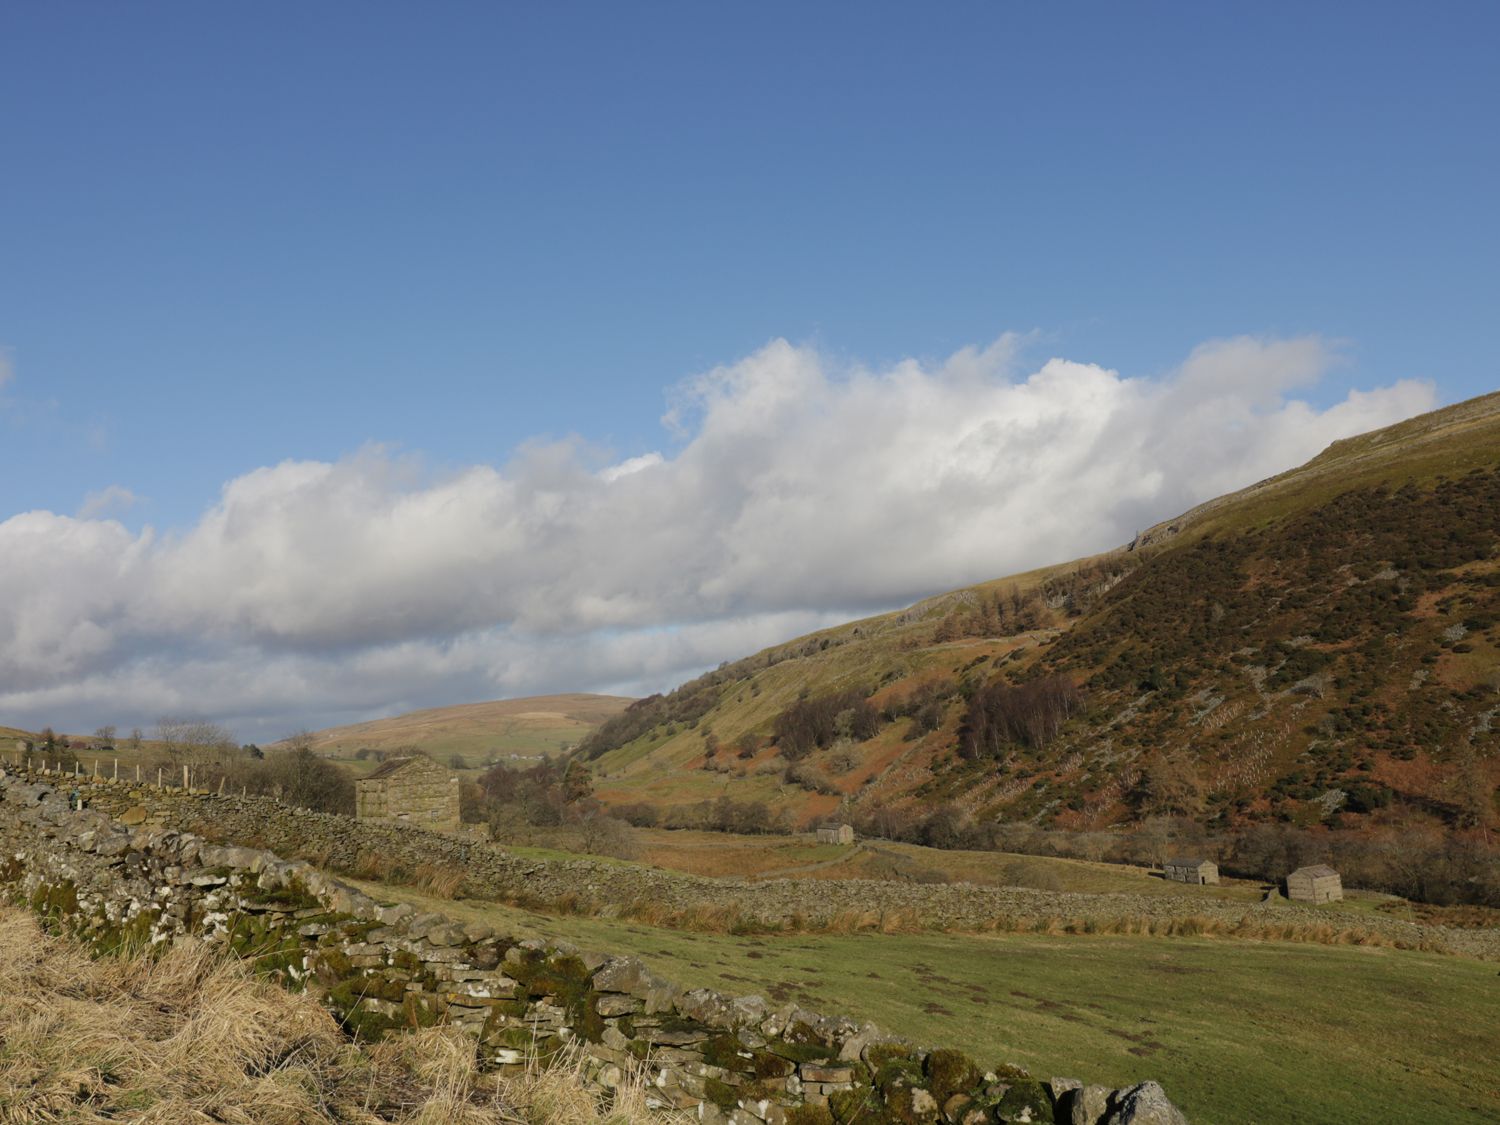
(237, 235)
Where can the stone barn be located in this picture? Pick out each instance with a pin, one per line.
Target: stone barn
(1201, 872)
(1315, 884)
(835, 833)
(410, 790)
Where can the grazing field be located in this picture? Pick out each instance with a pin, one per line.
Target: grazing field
(1237, 1031)
(724, 855)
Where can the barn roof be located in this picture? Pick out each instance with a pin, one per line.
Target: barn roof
(1187, 861)
(391, 765)
(1316, 871)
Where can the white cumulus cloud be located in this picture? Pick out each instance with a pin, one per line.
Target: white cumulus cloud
(111, 499)
(800, 491)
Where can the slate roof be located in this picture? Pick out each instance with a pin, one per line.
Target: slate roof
(390, 766)
(1316, 871)
(1187, 862)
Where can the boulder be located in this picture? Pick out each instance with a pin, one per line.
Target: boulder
(623, 974)
(1145, 1104)
(1087, 1105)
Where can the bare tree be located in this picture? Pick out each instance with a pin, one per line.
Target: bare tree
(303, 739)
(1170, 784)
(104, 737)
(194, 740)
(1473, 794)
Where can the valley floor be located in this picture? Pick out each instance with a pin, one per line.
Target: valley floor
(1237, 1031)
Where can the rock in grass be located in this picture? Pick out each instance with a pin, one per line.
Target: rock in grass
(1087, 1105)
(1146, 1104)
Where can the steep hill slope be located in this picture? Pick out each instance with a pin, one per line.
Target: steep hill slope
(539, 724)
(1319, 648)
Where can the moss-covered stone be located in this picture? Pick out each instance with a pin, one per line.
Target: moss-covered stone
(950, 1072)
(367, 1025)
(55, 901)
(800, 1052)
(347, 993)
(130, 938)
(800, 1031)
(725, 1051)
(768, 1064)
(515, 1038)
(899, 1071)
(293, 896)
(809, 1115)
(723, 1095)
(564, 979)
(862, 1105)
(1026, 1100)
(878, 1054)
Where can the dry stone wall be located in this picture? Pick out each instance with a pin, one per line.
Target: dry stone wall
(343, 844)
(382, 967)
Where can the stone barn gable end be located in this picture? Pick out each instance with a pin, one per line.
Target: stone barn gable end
(409, 790)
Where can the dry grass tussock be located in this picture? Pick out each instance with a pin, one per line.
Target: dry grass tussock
(192, 1037)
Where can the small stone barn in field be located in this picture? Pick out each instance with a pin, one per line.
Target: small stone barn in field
(1315, 884)
(835, 833)
(1199, 871)
(410, 790)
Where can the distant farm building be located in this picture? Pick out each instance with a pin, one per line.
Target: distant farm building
(1315, 884)
(835, 833)
(409, 790)
(1198, 871)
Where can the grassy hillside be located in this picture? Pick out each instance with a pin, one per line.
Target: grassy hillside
(1215, 1023)
(504, 728)
(1321, 649)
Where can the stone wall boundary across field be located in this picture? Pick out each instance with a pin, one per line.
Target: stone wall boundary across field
(489, 871)
(382, 967)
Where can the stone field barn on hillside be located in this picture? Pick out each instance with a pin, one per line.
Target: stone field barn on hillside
(1199, 871)
(835, 834)
(1315, 884)
(409, 790)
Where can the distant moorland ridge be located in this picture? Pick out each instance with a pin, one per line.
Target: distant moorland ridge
(538, 724)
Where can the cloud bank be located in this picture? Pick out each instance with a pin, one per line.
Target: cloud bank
(796, 492)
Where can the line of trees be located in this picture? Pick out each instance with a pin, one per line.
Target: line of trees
(812, 723)
(1001, 715)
